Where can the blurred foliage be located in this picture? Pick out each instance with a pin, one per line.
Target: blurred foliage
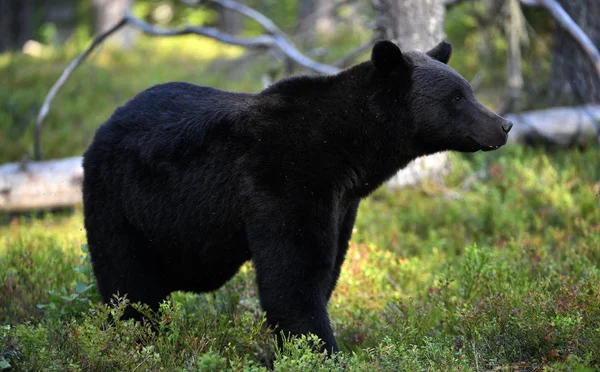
(112, 76)
(107, 80)
(501, 274)
(481, 46)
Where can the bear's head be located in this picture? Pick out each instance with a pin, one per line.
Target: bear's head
(445, 115)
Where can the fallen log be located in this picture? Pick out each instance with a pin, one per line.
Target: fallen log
(562, 126)
(40, 185)
(57, 183)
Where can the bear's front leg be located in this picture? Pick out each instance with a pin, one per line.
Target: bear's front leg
(294, 266)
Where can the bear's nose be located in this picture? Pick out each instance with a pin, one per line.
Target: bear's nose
(507, 126)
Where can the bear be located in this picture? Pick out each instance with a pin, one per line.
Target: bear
(183, 183)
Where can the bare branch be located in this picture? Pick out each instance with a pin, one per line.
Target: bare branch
(245, 10)
(280, 40)
(563, 18)
(277, 39)
(62, 80)
(262, 41)
(288, 49)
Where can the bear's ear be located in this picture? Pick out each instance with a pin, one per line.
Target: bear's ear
(386, 56)
(441, 52)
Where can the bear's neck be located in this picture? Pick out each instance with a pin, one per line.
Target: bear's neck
(332, 119)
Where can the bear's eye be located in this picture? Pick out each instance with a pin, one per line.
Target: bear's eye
(457, 97)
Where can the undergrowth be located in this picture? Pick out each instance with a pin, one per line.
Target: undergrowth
(501, 273)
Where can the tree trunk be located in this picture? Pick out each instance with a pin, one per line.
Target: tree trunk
(316, 16)
(229, 21)
(574, 79)
(16, 23)
(414, 25)
(107, 13)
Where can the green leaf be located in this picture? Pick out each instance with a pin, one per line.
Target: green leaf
(70, 297)
(80, 269)
(4, 364)
(82, 287)
(84, 248)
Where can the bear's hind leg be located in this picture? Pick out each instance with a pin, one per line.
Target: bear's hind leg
(122, 266)
(143, 283)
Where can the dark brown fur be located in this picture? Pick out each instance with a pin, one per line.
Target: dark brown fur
(183, 184)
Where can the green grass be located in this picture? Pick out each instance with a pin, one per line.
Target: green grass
(505, 275)
(497, 269)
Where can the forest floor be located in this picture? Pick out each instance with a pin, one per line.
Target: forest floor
(500, 273)
(499, 268)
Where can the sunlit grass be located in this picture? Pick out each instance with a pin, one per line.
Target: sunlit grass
(505, 275)
(68, 232)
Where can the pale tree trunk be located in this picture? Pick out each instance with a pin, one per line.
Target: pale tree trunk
(316, 16)
(414, 25)
(515, 27)
(229, 21)
(574, 79)
(107, 13)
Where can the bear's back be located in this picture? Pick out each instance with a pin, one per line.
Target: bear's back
(167, 120)
(163, 107)
(167, 146)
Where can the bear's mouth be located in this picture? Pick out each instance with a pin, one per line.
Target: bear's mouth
(482, 147)
(489, 148)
